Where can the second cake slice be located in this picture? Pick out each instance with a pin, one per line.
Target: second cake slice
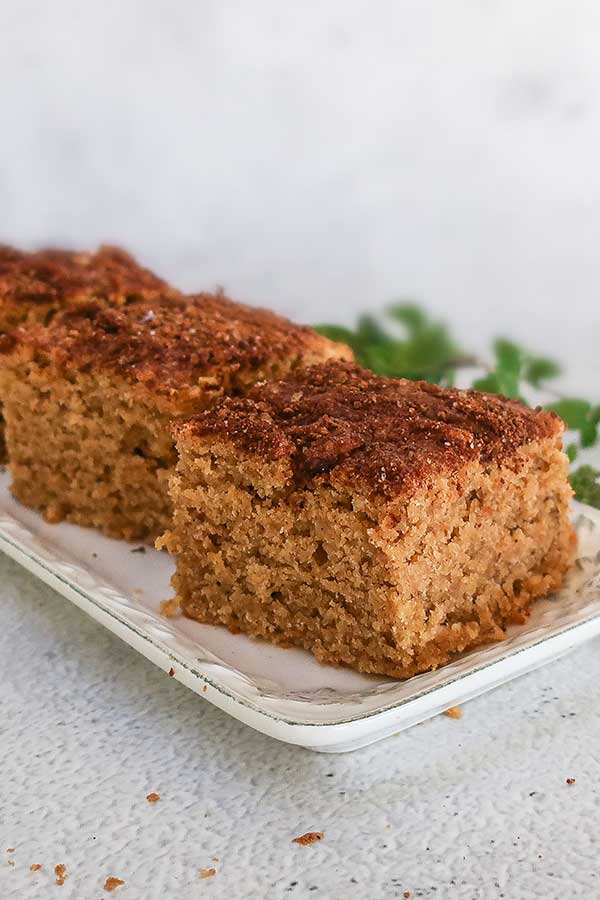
(35, 286)
(89, 399)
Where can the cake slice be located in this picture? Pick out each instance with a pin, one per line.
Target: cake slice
(89, 399)
(381, 524)
(34, 286)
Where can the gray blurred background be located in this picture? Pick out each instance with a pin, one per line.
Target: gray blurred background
(321, 157)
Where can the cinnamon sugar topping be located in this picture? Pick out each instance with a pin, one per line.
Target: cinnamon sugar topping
(63, 276)
(176, 343)
(339, 422)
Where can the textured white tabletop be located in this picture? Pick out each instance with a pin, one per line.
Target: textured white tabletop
(472, 808)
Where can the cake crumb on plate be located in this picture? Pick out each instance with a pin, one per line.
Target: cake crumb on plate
(169, 608)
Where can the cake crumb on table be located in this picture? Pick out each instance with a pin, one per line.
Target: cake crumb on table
(10, 849)
(207, 873)
(152, 797)
(171, 672)
(11, 862)
(169, 608)
(112, 883)
(571, 780)
(35, 867)
(454, 712)
(406, 895)
(311, 837)
(61, 873)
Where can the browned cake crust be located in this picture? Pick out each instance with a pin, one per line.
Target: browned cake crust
(381, 524)
(90, 398)
(172, 346)
(342, 423)
(57, 278)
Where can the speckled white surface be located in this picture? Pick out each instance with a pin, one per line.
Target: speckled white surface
(476, 807)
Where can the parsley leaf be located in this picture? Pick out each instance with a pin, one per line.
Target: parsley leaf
(572, 450)
(513, 365)
(574, 413)
(579, 415)
(411, 346)
(586, 485)
(539, 369)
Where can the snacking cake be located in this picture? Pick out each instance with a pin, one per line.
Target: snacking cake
(381, 524)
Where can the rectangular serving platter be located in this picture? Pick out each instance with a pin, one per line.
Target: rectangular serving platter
(284, 693)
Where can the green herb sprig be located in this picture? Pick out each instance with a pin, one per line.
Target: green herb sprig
(585, 481)
(513, 365)
(407, 343)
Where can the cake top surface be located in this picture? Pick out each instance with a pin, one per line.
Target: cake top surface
(63, 276)
(175, 343)
(341, 423)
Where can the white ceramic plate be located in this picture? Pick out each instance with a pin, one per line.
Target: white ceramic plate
(287, 694)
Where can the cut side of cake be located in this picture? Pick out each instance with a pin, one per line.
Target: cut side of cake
(35, 286)
(89, 399)
(380, 524)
